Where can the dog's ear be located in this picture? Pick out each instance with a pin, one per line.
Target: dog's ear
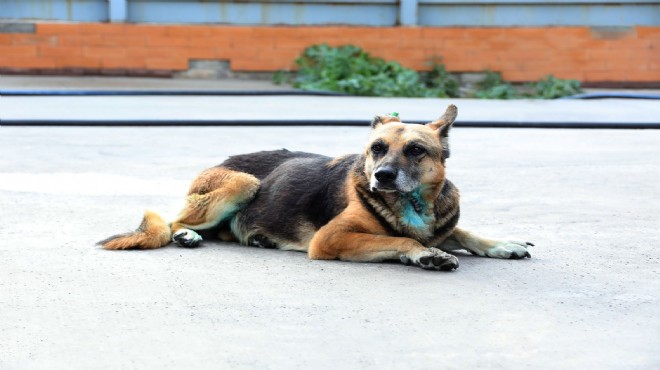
(443, 124)
(383, 119)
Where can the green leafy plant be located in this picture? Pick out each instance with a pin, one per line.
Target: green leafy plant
(281, 77)
(438, 78)
(351, 70)
(552, 88)
(493, 87)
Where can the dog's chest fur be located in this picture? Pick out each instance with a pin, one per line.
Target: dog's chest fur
(411, 215)
(402, 214)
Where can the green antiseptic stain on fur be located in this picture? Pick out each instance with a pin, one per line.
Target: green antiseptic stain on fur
(416, 218)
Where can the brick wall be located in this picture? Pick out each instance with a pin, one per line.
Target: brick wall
(630, 55)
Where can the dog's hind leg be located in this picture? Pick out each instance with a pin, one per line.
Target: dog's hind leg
(214, 196)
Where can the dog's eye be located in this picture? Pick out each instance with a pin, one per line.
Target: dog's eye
(377, 148)
(416, 150)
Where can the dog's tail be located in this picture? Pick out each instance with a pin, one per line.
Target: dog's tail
(153, 232)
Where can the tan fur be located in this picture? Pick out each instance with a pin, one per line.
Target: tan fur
(213, 192)
(355, 235)
(446, 119)
(152, 233)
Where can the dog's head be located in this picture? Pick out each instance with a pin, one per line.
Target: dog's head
(403, 157)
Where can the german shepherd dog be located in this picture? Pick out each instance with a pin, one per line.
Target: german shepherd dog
(391, 202)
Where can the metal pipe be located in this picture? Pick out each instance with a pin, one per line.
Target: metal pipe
(301, 123)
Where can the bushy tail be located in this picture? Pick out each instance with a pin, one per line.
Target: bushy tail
(153, 232)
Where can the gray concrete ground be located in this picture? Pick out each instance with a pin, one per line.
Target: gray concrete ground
(588, 299)
(589, 199)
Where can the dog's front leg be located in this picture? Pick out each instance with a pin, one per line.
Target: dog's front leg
(334, 242)
(462, 239)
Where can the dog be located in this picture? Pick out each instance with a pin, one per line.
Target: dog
(391, 202)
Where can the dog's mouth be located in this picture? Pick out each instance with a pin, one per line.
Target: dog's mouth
(377, 186)
(383, 189)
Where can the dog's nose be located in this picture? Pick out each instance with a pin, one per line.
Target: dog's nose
(385, 175)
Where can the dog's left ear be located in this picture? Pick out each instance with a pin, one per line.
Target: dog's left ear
(443, 124)
(383, 119)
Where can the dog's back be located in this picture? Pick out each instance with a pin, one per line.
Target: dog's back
(261, 164)
(299, 193)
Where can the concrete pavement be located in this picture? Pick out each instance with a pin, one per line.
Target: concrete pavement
(589, 297)
(589, 199)
(103, 110)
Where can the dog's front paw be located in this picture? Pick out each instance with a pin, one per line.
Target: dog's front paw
(186, 238)
(510, 249)
(431, 259)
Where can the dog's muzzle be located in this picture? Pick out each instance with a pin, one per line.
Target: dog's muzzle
(384, 179)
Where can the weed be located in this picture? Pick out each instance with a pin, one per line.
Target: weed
(349, 69)
(552, 88)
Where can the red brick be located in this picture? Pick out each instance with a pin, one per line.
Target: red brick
(122, 63)
(198, 53)
(292, 42)
(103, 28)
(121, 41)
(167, 63)
(79, 40)
(25, 62)
(521, 53)
(6, 39)
(188, 31)
(145, 30)
(151, 52)
(57, 29)
(171, 41)
(210, 42)
(485, 33)
(253, 43)
(444, 32)
(320, 32)
(252, 65)
(102, 52)
(32, 39)
(648, 32)
(77, 62)
(53, 51)
(525, 33)
(19, 51)
(600, 76)
(231, 32)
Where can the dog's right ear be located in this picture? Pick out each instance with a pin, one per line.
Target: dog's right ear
(383, 119)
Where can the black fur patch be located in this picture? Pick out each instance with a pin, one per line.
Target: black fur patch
(301, 190)
(381, 220)
(261, 164)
